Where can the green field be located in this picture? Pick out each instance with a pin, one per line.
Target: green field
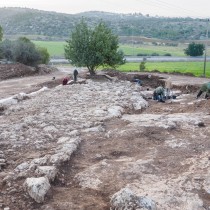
(149, 49)
(56, 49)
(195, 68)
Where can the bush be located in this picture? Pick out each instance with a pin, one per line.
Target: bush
(194, 49)
(45, 56)
(23, 51)
(154, 54)
(142, 66)
(6, 50)
(167, 54)
(142, 54)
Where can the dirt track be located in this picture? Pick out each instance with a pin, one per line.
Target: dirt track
(161, 152)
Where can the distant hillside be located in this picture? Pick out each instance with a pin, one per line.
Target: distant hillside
(57, 26)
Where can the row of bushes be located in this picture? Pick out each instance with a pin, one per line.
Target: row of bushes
(153, 54)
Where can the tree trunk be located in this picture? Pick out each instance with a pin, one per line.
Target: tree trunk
(92, 72)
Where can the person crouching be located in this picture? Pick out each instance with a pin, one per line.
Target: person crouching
(158, 94)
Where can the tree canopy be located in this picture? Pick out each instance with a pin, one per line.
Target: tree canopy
(92, 48)
(194, 49)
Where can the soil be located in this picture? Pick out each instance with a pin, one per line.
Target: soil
(133, 144)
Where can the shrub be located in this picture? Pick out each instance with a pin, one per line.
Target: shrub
(142, 66)
(154, 54)
(167, 54)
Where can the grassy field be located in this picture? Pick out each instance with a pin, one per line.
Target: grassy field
(195, 68)
(149, 49)
(56, 49)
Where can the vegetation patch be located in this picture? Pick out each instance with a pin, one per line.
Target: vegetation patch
(195, 68)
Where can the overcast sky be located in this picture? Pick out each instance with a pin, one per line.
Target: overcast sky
(170, 8)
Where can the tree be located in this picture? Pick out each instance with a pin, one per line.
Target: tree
(194, 49)
(93, 47)
(25, 52)
(1, 33)
(6, 50)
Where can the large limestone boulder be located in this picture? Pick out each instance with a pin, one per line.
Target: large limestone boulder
(126, 199)
(37, 188)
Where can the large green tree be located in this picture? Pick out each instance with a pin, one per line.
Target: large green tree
(92, 48)
(194, 49)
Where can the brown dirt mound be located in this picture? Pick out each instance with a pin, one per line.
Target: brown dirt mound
(8, 71)
(45, 69)
(187, 88)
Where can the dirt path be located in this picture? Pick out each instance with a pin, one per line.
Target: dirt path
(29, 84)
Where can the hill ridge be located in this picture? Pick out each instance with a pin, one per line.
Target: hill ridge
(50, 25)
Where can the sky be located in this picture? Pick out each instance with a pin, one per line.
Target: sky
(166, 8)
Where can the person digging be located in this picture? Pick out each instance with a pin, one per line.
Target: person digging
(204, 88)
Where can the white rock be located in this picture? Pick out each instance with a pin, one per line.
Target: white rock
(94, 129)
(115, 111)
(49, 171)
(20, 96)
(39, 91)
(37, 188)
(100, 113)
(41, 161)
(59, 158)
(22, 167)
(127, 199)
(63, 140)
(74, 133)
(8, 101)
(51, 128)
